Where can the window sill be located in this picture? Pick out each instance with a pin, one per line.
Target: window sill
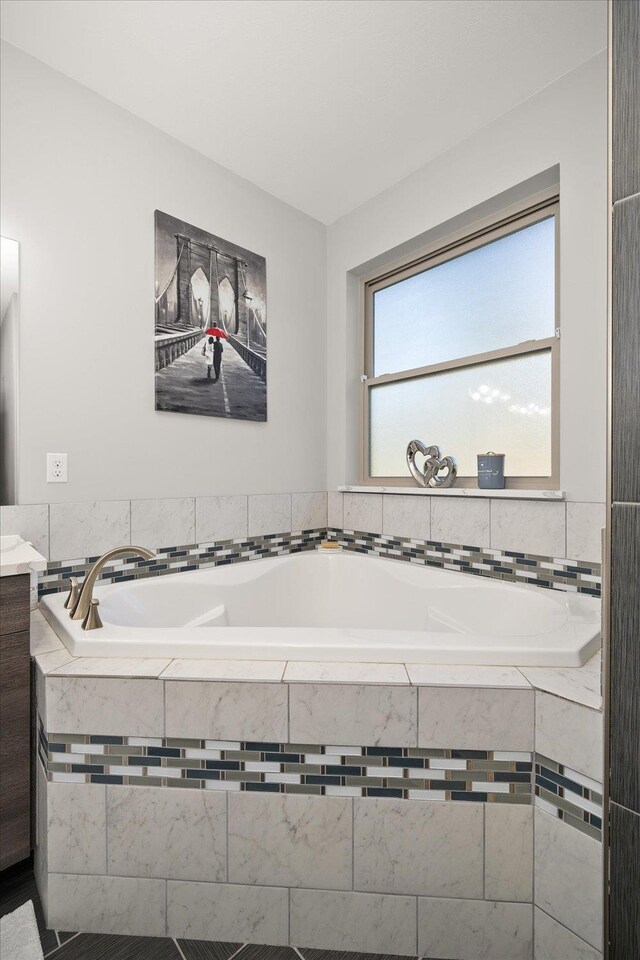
(461, 492)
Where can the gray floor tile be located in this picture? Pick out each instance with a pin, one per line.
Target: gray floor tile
(103, 946)
(204, 950)
(267, 953)
(309, 954)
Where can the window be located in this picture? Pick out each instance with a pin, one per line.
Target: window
(461, 350)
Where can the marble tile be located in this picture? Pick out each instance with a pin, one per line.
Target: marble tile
(584, 531)
(363, 512)
(456, 520)
(450, 929)
(29, 521)
(308, 511)
(33, 591)
(570, 734)
(406, 516)
(459, 675)
(508, 837)
(334, 509)
(265, 670)
(413, 847)
(42, 636)
(88, 529)
(40, 853)
(290, 841)
(344, 714)
(529, 526)
(475, 718)
(45, 662)
(221, 518)
(111, 667)
(353, 921)
(118, 707)
(580, 684)
(163, 523)
(171, 834)
(308, 671)
(76, 828)
(98, 904)
(552, 941)
(269, 513)
(226, 711)
(227, 912)
(568, 877)
(52, 659)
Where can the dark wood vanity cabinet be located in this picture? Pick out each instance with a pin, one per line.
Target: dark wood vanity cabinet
(15, 721)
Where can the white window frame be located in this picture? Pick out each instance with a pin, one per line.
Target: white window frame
(482, 232)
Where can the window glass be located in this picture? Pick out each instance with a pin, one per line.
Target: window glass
(494, 296)
(503, 405)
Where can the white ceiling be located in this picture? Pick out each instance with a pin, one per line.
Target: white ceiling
(323, 103)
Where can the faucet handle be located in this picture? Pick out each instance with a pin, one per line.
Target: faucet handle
(92, 620)
(73, 595)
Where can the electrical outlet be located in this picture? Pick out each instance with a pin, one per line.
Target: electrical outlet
(56, 468)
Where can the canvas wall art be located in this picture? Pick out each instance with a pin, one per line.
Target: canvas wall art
(210, 324)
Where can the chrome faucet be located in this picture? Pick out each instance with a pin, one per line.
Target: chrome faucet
(80, 600)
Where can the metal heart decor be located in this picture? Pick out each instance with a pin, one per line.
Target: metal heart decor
(433, 464)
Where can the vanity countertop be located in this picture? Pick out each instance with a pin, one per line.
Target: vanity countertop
(18, 556)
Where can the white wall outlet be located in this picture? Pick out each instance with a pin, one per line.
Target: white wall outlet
(56, 468)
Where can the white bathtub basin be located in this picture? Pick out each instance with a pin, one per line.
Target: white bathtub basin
(335, 606)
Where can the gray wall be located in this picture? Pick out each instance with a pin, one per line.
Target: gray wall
(563, 126)
(81, 179)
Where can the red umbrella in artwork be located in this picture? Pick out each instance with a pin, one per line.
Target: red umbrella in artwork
(215, 332)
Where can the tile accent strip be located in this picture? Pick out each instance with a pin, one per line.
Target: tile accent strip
(181, 559)
(554, 573)
(550, 572)
(409, 773)
(569, 796)
(405, 773)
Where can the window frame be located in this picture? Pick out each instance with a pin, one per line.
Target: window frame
(509, 221)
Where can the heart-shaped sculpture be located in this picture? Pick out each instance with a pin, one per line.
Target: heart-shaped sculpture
(433, 464)
(429, 453)
(448, 464)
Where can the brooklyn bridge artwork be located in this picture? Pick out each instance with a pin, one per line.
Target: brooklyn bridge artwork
(210, 324)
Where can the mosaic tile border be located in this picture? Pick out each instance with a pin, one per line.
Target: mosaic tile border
(568, 795)
(550, 572)
(411, 773)
(181, 559)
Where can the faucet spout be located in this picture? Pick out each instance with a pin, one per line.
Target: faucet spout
(83, 603)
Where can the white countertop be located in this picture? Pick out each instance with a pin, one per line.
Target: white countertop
(18, 556)
(510, 494)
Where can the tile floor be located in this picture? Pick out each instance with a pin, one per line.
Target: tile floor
(18, 885)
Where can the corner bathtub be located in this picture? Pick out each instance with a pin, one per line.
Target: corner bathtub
(332, 605)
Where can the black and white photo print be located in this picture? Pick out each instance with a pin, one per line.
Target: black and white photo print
(210, 324)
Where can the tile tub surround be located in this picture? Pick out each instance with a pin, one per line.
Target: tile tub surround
(562, 856)
(405, 832)
(276, 768)
(548, 543)
(542, 571)
(456, 534)
(181, 558)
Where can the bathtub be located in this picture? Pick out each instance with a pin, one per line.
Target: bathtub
(336, 606)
